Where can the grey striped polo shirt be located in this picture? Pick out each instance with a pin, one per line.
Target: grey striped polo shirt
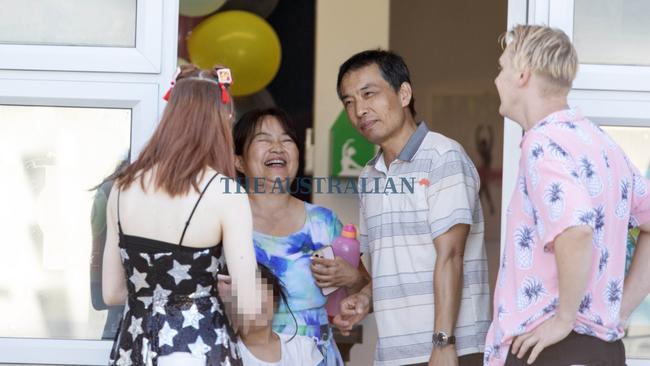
(430, 187)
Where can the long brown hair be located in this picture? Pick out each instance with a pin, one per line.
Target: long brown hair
(194, 133)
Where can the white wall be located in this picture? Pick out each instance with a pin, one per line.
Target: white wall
(343, 28)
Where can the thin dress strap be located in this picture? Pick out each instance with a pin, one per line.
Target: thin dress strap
(187, 223)
(119, 223)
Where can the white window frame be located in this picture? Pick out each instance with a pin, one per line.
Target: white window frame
(145, 57)
(135, 78)
(54, 351)
(607, 108)
(595, 76)
(142, 100)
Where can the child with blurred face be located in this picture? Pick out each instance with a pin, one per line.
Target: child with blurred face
(259, 345)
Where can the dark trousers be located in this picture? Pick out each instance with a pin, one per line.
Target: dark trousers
(576, 349)
(474, 359)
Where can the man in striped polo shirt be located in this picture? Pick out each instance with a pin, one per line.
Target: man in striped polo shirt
(429, 286)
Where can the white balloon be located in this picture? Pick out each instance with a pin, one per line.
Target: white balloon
(198, 8)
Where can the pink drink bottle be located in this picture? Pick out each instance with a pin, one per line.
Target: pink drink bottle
(345, 246)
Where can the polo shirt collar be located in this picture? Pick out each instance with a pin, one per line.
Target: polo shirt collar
(411, 147)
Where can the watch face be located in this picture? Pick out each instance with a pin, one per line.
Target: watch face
(440, 338)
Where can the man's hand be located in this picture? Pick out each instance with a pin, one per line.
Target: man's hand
(334, 272)
(443, 356)
(548, 333)
(573, 249)
(353, 309)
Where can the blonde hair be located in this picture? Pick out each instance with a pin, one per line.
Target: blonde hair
(547, 51)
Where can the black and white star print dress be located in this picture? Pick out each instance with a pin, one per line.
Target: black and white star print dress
(172, 303)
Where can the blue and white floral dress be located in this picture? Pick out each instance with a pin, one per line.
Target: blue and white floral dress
(289, 258)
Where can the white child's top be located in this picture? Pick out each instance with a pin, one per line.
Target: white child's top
(299, 351)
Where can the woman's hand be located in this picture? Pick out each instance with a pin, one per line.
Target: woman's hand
(334, 273)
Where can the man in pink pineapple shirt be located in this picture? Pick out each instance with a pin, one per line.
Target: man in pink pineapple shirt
(562, 296)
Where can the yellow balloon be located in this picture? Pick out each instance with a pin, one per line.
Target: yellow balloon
(242, 41)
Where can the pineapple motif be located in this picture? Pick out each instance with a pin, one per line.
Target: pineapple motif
(610, 179)
(502, 272)
(541, 125)
(528, 206)
(525, 242)
(488, 354)
(632, 222)
(536, 154)
(501, 311)
(597, 320)
(550, 308)
(640, 187)
(523, 325)
(494, 350)
(584, 329)
(622, 208)
(613, 293)
(573, 172)
(554, 199)
(574, 128)
(586, 217)
(612, 335)
(596, 219)
(603, 261)
(589, 177)
(539, 223)
(585, 304)
(530, 293)
(599, 225)
(557, 151)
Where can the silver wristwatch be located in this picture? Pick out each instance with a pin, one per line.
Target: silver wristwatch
(441, 339)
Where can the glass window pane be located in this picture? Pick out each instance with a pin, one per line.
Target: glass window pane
(50, 159)
(635, 142)
(71, 22)
(612, 31)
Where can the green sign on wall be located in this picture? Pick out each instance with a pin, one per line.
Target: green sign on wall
(349, 150)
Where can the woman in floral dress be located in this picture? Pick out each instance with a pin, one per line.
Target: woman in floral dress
(287, 230)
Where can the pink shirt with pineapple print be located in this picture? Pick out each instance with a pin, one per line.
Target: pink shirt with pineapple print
(570, 173)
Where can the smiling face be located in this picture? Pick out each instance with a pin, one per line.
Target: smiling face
(270, 154)
(375, 109)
